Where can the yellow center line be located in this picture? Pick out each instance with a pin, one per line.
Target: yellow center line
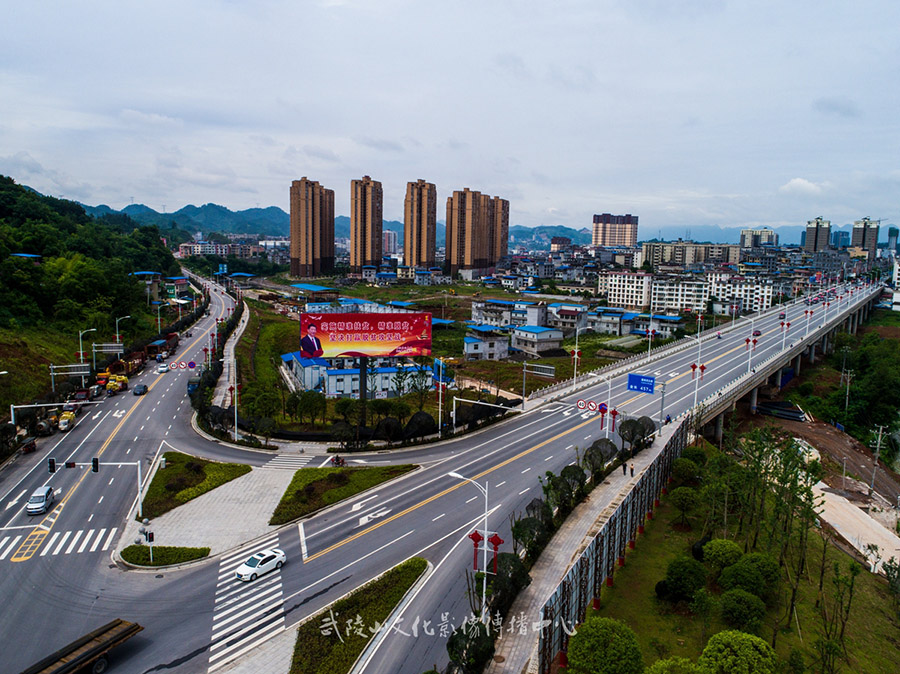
(508, 461)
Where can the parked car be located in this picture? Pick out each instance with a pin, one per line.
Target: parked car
(40, 500)
(260, 563)
(757, 333)
(162, 368)
(140, 389)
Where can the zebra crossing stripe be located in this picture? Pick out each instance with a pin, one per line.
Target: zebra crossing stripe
(74, 541)
(86, 540)
(50, 543)
(97, 540)
(62, 542)
(10, 548)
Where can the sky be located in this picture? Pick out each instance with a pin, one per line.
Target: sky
(683, 112)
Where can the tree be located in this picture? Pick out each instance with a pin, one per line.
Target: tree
(470, 647)
(401, 410)
(400, 379)
(421, 380)
(381, 407)
(684, 471)
(721, 552)
(346, 407)
(733, 652)
(530, 533)
(604, 646)
(742, 610)
(291, 405)
(684, 576)
(575, 478)
(673, 665)
(684, 499)
(630, 431)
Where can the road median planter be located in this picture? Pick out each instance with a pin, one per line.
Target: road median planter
(163, 555)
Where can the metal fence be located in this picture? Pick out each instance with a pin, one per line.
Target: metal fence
(619, 525)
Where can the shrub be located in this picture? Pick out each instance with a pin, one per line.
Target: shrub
(805, 389)
(511, 578)
(673, 665)
(684, 471)
(768, 569)
(163, 555)
(694, 454)
(604, 646)
(470, 647)
(684, 577)
(720, 553)
(742, 610)
(743, 577)
(732, 652)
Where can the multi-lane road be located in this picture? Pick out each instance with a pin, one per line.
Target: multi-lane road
(60, 581)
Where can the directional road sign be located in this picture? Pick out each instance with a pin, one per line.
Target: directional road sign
(642, 383)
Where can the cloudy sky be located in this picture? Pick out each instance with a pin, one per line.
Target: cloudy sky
(684, 112)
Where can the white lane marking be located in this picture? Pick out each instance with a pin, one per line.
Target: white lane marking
(501, 484)
(100, 501)
(471, 499)
(365, 519)
(90, 518)
(74, 541)
(587, 437)
(570, 446)
(111, 480)
(572, 464)
(128, 451)
(302, 540)
(97, 540)
(62, 542)
(548, 458)
(526, 470)
(135, 438)
(16, 500)
(87, 539)
(325, 463)
(109, 539)
(438, 517)
(359, 504)
(523, 491)
(10, 548)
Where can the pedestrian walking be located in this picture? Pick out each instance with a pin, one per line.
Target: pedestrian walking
(632, 470)
(624, 464)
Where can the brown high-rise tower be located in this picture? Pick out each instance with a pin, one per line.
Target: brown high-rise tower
(312, 228)
(419, 222)
(365, 223)
(477, 230)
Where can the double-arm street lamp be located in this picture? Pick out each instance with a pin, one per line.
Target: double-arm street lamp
(118, 338)
(81, 348)
(483, 490)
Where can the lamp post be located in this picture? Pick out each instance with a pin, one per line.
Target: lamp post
(81, 349)
(441, 397)
(117, 327)
(158, 317)
(483, 490)
(609, 406)
(575, 377)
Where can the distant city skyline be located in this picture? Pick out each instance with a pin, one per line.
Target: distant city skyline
(689, 114)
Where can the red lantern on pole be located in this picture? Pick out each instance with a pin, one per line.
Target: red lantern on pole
(693, 370)
(702, 370)
(613, 416)
(746, 343)
(754, 344)
(476, 540)
(495, 542)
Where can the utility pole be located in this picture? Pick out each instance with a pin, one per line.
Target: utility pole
(846, 375)
(877, 454)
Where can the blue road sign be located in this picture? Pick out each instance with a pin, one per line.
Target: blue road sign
(192, 365)
(642, 383)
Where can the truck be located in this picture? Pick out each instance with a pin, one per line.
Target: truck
(66, 421)
(89, 653)
(159, 347)
(193, 384)
(117, 383)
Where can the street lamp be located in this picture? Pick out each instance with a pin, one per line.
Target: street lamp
(609, 405)
(81, 349)
(158, 318)
(117, 327)
(575, 377)
(483, 490)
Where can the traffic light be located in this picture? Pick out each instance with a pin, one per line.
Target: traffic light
(95, 465)
(70, 464)
(149, 536)
(51, 465)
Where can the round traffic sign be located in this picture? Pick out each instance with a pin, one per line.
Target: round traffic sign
(182, 365)
(602, 407)
(192, 364)
(592, 406)
(581, 404)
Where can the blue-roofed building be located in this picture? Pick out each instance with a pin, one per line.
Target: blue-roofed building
(485, 342)
(508, 312)
(535, 339)
(384, 278)
(319, 374)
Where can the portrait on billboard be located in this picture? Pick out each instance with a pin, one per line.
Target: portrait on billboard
(310, 344)
(355, 335)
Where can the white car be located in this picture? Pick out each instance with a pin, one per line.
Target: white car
(260, 563)
(162, 368)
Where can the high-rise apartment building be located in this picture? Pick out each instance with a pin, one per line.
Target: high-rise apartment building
(840, 239)
(615, 230)
(892, 238)
(312, 228)
(419, 224)
(818, 235)
(477, 230)
(865, 236)
(389, 242)
(754, 238)
(365, 223)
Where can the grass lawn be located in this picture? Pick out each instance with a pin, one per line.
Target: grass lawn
(885, 318)
(873, 639)
(332, 640)
(314, 488)
(185, 478)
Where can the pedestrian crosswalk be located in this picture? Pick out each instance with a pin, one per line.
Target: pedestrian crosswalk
(245, 614)
(64, 542)
(289, 461)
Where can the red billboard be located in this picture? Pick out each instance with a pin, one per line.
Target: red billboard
(352, 335)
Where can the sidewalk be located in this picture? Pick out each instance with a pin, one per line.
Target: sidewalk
(222, 394)
(517, 652)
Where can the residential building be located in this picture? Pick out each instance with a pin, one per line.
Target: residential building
(626, 289)
(477, 230)
(865, 236)
(680, 293)
(687, 253)
(840, 239)
(312, 228)
(535, 340)
(614, 230)
(419, 223)
(818, 235)
(566, 317)
(365, 223)
(754, 238)
(558, 243)
(486, 342)
(892, 239)
(389, 242)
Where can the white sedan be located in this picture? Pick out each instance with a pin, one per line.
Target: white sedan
(162, 368)
(260, 563)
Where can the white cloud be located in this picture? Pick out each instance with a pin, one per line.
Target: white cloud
(800, 186)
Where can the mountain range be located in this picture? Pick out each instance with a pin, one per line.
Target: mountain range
(273, 221)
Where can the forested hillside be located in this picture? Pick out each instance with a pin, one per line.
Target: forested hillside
(82, 276)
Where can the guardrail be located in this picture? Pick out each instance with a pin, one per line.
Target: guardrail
(619, 525)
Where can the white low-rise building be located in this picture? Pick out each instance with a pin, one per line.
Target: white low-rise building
(486, 342)
(535, 340)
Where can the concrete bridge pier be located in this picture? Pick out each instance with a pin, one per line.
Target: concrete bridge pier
(754, 394)
(797, 365)
(720, 427)
(812, 354)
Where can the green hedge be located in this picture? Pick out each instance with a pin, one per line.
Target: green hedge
(185, 478)
(314, 488)
(368, 607)
(163, 555)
